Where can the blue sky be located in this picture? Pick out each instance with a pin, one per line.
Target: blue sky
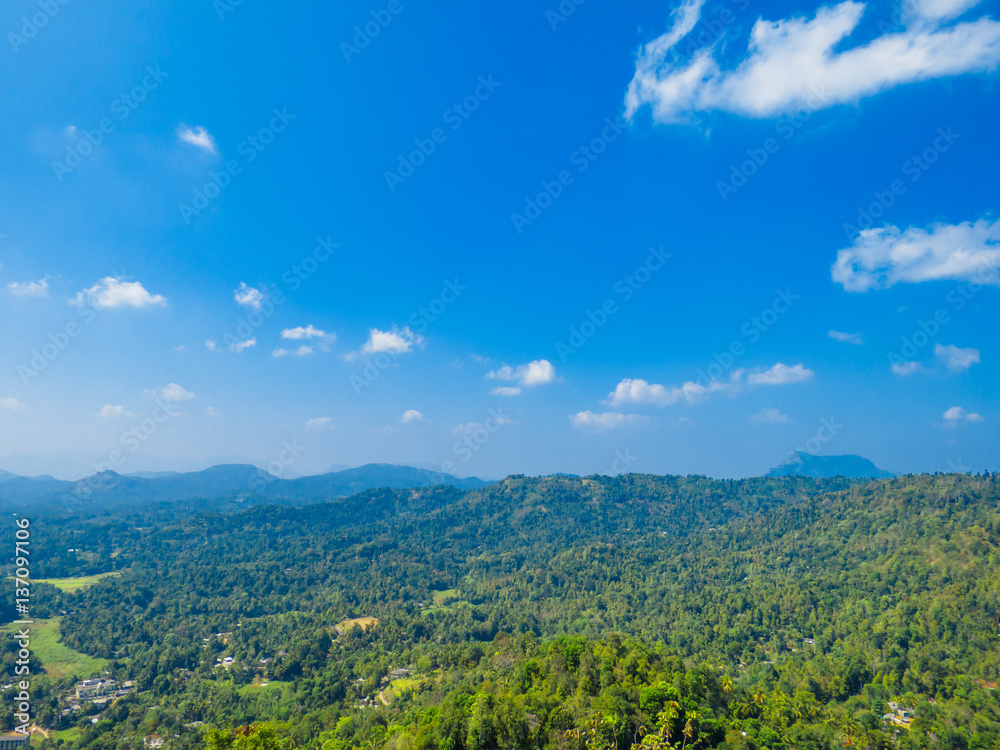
(521, 238)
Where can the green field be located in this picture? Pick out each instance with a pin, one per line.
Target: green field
(66, 735)
(443, 597)
(75, 584)
(272, 685)
(58, 660)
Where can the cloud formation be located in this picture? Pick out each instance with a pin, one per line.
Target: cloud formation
(846, 338)
(38, 288)
(608, 420)
(639, 391)
(248, 296)
(537, 372)
(796, 63)
(412, 415)
(395, 341)
(320, 423)
(198, 137)
(881, 258)
(109, 411)
(957, 414)
(110, 292)
(956, 359)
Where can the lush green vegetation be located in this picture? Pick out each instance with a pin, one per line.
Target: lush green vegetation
(544, 613)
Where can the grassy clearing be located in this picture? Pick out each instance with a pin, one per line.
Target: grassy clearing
(443, 597)
(75, 584)
(258, 688)
(59, 660)
(66, 735)
(364, 622)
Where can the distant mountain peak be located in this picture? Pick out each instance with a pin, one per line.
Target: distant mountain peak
(809, 465)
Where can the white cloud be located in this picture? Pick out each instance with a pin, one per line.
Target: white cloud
(847, 338)
(397, 341)
(111, 292)
(639, 391)
(506, 390)
(956, 359)
(109, 411)
(538, 372)
(302, 351)
(320, 423)
(772, 416)
(321, 339)
(12, 404)
(211, 411)
(210, 345)
(906, 368)
(198, 137)
(171, 392)
(239, 346)
(883, 257)
(412, 415)
(797, 63)
(957, 414)
(307, 332)
(780, 374)
(608, 420)
(248, 296)
(38, 288)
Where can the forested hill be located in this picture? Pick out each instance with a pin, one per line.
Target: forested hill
(556, 612)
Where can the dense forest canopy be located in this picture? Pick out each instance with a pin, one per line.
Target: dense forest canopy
(555, 612)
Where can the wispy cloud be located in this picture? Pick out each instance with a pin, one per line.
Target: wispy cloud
(171, 392)
(303, 351)
(320, 423)
(957, 415)
(38, 288)
(198, 137)
(906, 368)
(601, 421)
(796, 63)
(248, 296)
(881, 258)
(639, 391)
(537, 372)
(12, 404)
(109, 411)
(956, 359)
(771, 416)
(847, 338)
(110, 292)
(412, 415)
